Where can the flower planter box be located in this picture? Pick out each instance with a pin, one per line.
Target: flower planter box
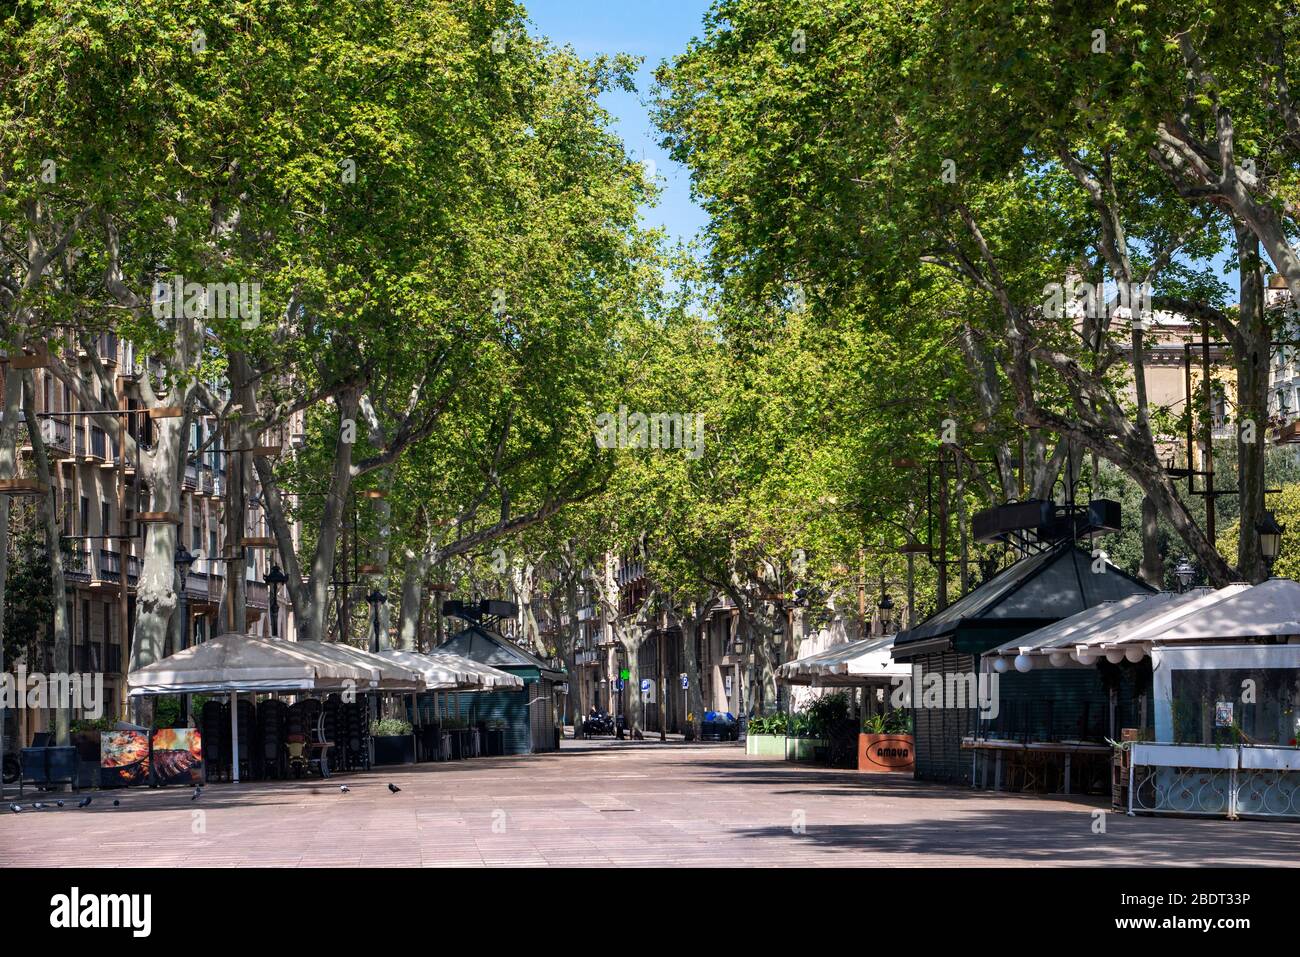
(765, 745)
(787, 748)
(887, 753)
(394, 748)
(807, 749)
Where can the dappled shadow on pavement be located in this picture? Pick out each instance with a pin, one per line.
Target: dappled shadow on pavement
(1050, 836)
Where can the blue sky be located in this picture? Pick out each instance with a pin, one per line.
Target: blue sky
(655, 31)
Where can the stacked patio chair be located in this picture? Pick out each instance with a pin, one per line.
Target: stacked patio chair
(353, 736)
(214, 730)
(247, 718)
(272, 728)
(329, 729)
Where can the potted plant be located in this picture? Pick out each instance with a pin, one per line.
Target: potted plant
(806, 739)
(766, 735)
(886, 743)
(394, 742)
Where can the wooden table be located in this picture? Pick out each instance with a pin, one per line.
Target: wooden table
(1067, 749)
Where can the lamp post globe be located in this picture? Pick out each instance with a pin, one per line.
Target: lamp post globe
(1270, 538)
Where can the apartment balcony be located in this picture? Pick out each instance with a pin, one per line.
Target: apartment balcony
(629, 572)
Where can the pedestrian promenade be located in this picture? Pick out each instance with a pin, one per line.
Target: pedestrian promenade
(617, 804)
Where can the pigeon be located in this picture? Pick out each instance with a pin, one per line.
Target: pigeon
(394, 788)
(38, 806)
(345, 789)
(84, 802)
(116, 802)
(15, 808)
(58, 803)
(195, 795)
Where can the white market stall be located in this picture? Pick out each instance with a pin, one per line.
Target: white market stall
(234, 663)
(1225, 693)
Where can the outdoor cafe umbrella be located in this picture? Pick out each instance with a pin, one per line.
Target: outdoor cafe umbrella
(234, 663)
(385, 674)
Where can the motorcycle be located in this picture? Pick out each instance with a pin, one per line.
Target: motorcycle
(598, 723)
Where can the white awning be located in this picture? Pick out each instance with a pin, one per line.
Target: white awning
(1129, 628)
(385, 675)
(448, 672)
(1269, 609)
(236, 663)
(484, 676)
(861, 662)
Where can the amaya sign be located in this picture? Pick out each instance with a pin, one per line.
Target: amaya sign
(893, 753)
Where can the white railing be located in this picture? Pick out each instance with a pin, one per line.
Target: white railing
(1228, 781)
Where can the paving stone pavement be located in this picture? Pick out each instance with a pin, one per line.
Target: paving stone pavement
(617, 804)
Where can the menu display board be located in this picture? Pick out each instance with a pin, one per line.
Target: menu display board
(123, 758)
(177, 756)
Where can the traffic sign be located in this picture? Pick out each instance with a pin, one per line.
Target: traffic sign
(646, 684)
(618, 684)
(624, 674)
(686, 681)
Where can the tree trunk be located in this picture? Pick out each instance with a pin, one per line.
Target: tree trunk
(1151, 570)
(1252, 362)
(155, 591)
(332, 517)
(632, 689)
(413, 574)
(13, 386)
(690, 626)
(49, 520)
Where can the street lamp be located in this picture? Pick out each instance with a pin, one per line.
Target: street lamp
(1184, 571)
(886, 608)
(375, 598)
(1270, 539)
(274, 579)
(183, 560)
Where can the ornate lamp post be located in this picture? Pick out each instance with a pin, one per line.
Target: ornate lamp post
(274, 579)
(1270, 539)
(375, 599)
(183, 559)
(1184, 571)
(886, 608)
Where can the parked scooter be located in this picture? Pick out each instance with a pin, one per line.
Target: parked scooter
(597, 723)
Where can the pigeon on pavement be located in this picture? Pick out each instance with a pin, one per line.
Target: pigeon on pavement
(58, 803)
(84, 802)
(195, 795)
(344, 788)
(15, 808)
(394, 788)
(116, 802)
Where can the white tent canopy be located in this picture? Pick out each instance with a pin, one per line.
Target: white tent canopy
(236, 663)
(1063, 635)
(1191, 604)
(1269, 609)
(449, 672)
(385, 675)
(861, 662)
(484, 676)
(1130, 628)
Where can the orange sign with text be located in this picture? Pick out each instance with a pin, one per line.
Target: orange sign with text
(893, 753)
